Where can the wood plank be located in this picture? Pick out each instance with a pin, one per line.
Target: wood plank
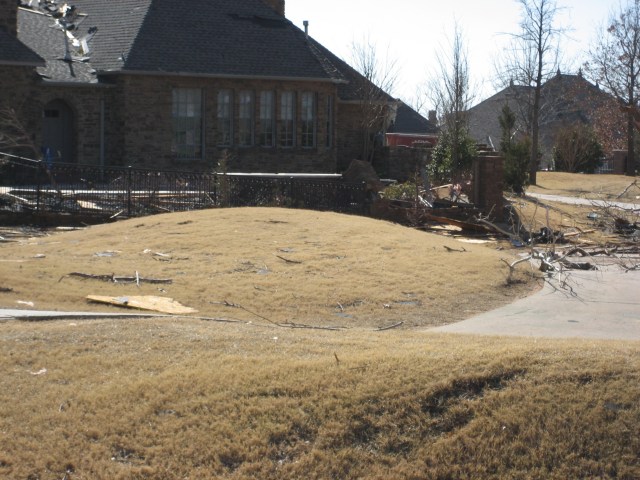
(145, 302)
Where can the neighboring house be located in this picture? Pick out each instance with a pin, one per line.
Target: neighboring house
(567, 100)
(178, 85)
(410, 129)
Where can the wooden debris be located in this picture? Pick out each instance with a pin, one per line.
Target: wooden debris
(449, 249)
(395, 325)
(145, 302)
(6, 290)
(287, 260)
(117, 279)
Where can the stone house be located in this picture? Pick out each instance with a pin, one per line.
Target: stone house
(178, 85)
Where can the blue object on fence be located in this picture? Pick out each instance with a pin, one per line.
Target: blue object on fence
(47, 156)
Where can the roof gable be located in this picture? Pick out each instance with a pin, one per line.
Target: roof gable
(14, 52)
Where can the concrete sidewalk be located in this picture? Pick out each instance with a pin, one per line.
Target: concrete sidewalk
(629, 206)
(602, 304)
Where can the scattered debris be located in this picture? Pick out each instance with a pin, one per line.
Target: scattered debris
(117, 278)
(165, 257)
(288, 260)
(449, 249)
(28, 304)
(145, 302)
(395, 325)
(107, 253)
(6, 290)
(42, 371)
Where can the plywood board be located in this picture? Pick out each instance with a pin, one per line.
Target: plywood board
(145, 302)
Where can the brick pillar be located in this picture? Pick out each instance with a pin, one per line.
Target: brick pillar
(277, 5)
(488, 184)
(9, 16)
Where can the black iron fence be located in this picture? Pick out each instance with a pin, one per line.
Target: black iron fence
(33, 186)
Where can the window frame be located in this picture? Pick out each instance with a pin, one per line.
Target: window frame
(187, 123)
(267, 128)
(286, 124)
(246, 118)
(308, 119)
(224, 118)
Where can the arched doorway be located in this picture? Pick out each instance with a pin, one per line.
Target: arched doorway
(57, 132)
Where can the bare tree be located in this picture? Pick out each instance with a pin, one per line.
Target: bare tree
(374, 86)
(531, 60)
(451, 93)
(615, 63)
(14, 137)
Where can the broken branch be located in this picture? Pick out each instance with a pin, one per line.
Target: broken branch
(117, 279)
(395, 325)
(287, 260)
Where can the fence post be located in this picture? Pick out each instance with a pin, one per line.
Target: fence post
(129, 174)
(39, 171)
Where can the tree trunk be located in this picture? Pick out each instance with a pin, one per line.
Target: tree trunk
(631, 130)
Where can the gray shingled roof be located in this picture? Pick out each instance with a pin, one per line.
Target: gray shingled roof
(14, 52)
(199, 37)
(37, 31)
(226, 38)
(410, 121)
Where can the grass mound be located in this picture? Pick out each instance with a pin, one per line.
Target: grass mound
(170, 399)
(273, 265)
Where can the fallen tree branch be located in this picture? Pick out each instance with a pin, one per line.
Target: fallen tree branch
(118, 279)
(395, 325)
(635, 182)
(449, 249)
(281, 325)
(311, 327)
(287, 260)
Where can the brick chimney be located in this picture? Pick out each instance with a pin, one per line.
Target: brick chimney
(277, 5)
(9, 16)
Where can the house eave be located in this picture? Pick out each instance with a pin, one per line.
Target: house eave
(220, 76)
(59, 83)
(22, 64)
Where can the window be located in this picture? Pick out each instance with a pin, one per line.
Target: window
(286, 122)
(329, 126)
(224, 131)
(267, 125)
(308, 119)
(245, 119)
(187, 123)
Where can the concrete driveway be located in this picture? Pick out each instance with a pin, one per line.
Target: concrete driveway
(603, 304)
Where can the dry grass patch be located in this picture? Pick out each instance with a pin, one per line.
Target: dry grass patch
(285, 265)
(599, 187)
(174, 399)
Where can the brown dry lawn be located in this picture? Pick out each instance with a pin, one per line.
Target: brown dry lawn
(177, 398)
(184, 398)
(600, 187)
(283, 266)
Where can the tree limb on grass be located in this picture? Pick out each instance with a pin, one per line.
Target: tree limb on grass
(395, 325)
(117, 278)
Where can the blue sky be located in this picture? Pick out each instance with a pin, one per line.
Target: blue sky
(411, 31)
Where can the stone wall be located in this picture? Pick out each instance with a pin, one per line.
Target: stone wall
(28, 96)
(142, 127)
(400, 163)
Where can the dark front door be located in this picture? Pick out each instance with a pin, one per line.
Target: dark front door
(57, 132)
